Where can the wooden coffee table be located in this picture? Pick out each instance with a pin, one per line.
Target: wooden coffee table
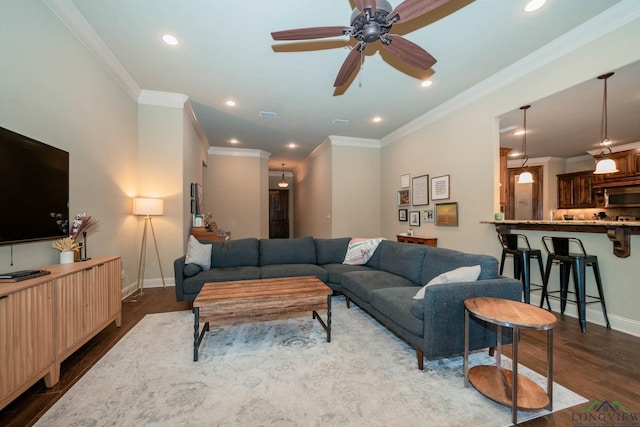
(503, 385)
(261, 299)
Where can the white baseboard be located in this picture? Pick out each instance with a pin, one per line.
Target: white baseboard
(593, 315)
(131, 288)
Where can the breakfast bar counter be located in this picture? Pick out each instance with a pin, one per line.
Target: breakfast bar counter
(619, 232)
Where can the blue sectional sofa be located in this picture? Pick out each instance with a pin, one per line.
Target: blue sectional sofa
(384, 286)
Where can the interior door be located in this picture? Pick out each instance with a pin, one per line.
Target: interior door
(278, 214)
(525, 200)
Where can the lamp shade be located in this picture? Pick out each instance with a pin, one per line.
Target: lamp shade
(605, 166)
(146, 206)
(525, 178)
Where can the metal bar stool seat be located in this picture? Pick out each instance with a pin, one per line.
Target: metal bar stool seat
(517, 246)
(570, 254)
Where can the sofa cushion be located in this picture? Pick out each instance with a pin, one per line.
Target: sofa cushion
(460, 274)
(440, 260)
(362, 283)
(192, 285)
(331, 251)
(360, 250)
(234, 253)
(336, 271)
(293, 270)
(198, 253)
(403, 259)
(191, 269)
(301, 250)
(395, 303)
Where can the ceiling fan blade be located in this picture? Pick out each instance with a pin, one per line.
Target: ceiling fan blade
(349, 66)
(411, 9)
(409, 52)
(309, 33)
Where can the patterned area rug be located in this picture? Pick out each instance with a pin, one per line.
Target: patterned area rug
(279, 373)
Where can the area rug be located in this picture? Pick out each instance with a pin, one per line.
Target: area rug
(279, 373)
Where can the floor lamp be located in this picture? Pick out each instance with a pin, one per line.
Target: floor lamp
(147, 207)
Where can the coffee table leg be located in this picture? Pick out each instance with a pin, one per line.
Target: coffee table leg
(325, 326)
(197, 335)
(466, 347)
(514, 370)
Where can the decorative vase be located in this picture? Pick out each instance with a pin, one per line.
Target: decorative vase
(66, 257)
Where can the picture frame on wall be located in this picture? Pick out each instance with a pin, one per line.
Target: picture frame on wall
(198, 197)
(440, 188)
(427, 215)
(447, 214)
(404, 198)
(402, 215)
(404, 180)
(420, 190)
(414, 218)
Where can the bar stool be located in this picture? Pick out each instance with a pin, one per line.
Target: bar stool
(559, 252)
(517, 246)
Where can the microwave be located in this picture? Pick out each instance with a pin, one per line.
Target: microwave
(622, 197)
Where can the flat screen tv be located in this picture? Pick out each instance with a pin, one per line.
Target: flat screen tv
(34, 189)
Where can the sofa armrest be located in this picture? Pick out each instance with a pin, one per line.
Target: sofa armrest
(178, 272)
(443, 310)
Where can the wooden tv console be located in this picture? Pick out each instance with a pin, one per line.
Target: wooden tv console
(45, 319)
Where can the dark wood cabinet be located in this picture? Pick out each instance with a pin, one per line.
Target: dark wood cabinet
(428, 241)
(628, 164)
(575, 190)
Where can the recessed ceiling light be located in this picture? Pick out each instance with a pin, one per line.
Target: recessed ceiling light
(534, 5)
(518, 132)
(426, 83)
(376, 119)
(230, 103)
(292, 145)
(233, 141)
(170, 39)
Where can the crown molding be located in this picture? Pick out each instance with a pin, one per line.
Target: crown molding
(348, 141)
(188, 109)
(66, 11)
(238, 152)
(162, 99)
(610, 20)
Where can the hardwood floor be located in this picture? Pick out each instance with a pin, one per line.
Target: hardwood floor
(600, 365)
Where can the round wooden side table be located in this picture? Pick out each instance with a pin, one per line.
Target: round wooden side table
(500, 384)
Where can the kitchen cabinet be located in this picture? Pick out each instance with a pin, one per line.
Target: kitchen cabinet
(628, 164)
(575, 190)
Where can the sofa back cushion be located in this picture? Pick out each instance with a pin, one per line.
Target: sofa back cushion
(440, 260)
(234, 253)
(331, 251)
(402, 259)
(301, 250)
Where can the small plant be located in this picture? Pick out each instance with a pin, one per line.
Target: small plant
(65, 244)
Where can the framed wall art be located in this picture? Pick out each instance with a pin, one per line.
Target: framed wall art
(440, 187)
(404, 198)
(420, 190)
(427, 215)
(414, 218)
(404, 180)
(447, 214)
(402, 215)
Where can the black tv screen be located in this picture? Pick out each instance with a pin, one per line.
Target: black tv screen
(34, 189)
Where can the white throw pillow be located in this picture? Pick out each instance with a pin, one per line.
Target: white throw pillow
(462, 274)
(360, 250)
(199, 254)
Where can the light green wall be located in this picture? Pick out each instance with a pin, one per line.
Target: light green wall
(464, 144)
(54, 90)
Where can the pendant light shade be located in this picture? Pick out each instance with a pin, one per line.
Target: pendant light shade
(525, 177)
(283, 182)
(605, 164)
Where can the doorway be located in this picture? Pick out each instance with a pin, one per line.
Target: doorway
(278, 214)
(525, 200)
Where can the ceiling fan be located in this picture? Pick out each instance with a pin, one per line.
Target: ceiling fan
(372, 20)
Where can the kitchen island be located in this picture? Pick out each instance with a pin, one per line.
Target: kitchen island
(619, 232)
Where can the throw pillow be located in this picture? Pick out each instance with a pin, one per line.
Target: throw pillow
(191, 270)
(462, 274)
(360, 250)
(198, 254)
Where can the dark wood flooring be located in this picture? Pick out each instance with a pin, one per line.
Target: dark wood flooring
(600, 365)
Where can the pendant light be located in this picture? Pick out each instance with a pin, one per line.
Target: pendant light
(283, 182)
(605, 164)
(525, 177)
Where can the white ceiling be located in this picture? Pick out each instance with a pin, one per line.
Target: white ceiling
(226, 51)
